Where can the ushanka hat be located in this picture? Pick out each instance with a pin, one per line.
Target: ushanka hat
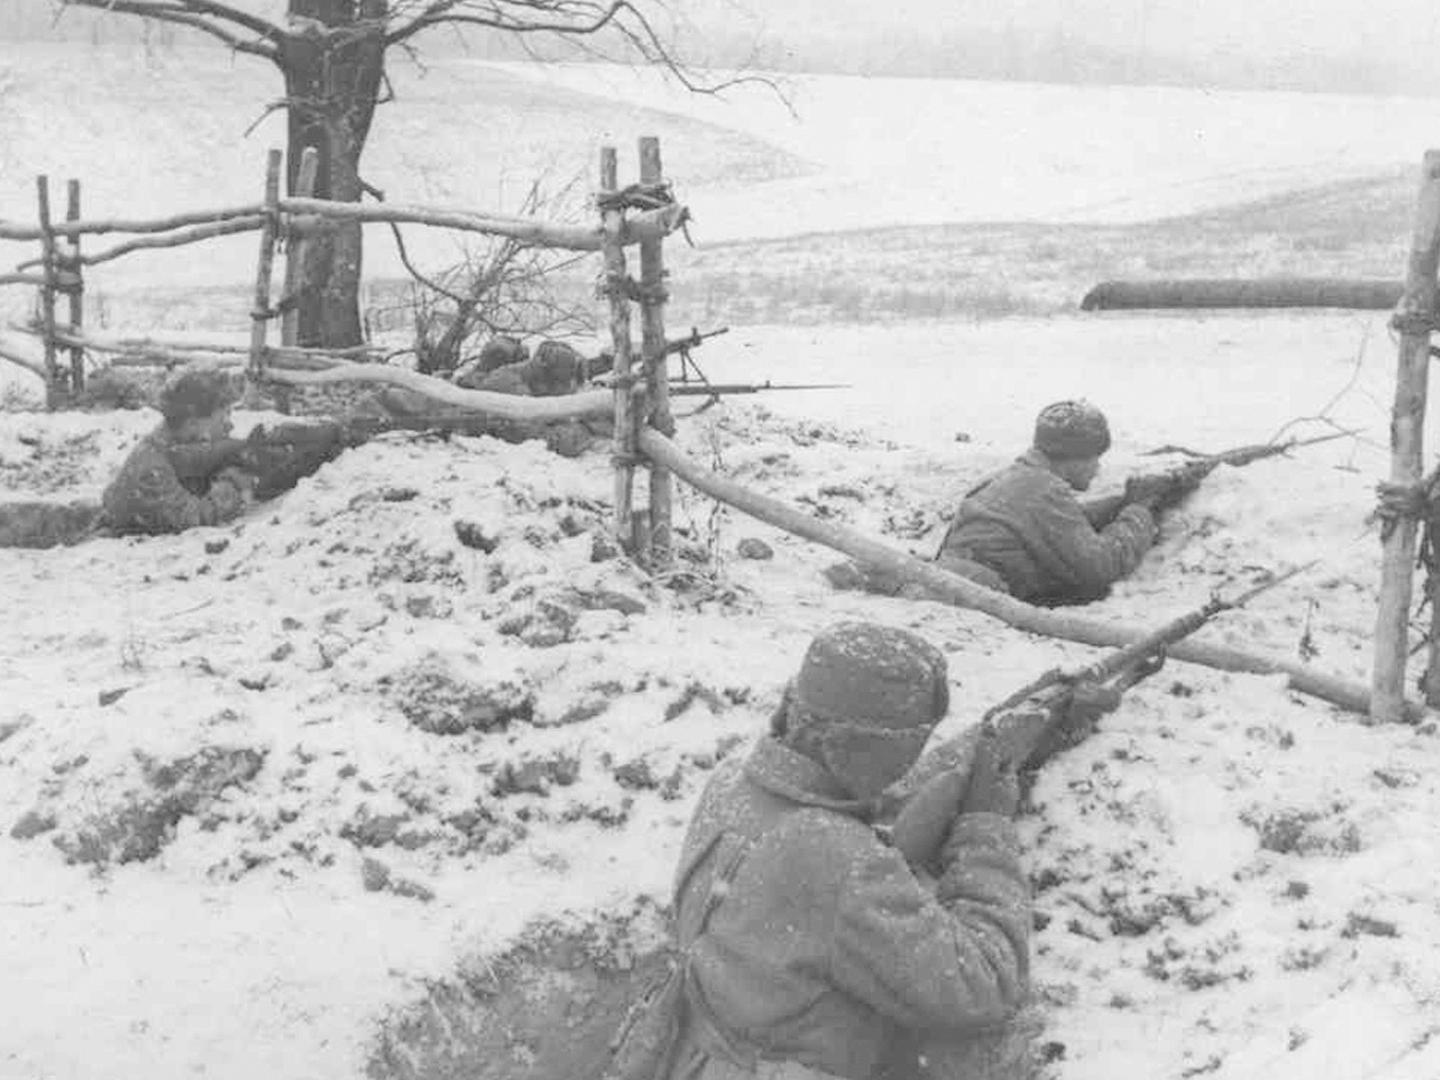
(873, 676)
(194, 392)
(554, 369)
(1072, 429)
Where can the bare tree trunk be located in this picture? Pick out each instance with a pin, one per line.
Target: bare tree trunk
(334, 65)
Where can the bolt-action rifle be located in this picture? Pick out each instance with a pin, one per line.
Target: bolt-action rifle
(599, 365)
(1054, 712)
(1167, 488)
(280, 456)
(707, 389)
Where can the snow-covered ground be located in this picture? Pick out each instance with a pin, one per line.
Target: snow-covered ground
(265, 787)
(895, 151)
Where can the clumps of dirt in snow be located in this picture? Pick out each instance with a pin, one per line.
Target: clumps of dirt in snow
(875, 485)
(372, 641)
(68, 455)
(129, 811)
(458, 693)
(437, 698)
(1236, 841)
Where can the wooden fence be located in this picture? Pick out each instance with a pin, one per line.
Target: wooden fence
(642, 214)
(1412, 496)
(638, 215)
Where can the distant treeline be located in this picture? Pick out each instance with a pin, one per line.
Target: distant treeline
(1013, 54)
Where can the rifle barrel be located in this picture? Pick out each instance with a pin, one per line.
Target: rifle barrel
(1027, 722)
(717, 389)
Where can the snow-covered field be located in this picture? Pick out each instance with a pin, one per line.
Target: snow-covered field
(283, 798)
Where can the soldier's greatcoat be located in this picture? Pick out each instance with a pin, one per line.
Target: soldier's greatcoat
(1025, 524)
(148, 496)
(825, 952)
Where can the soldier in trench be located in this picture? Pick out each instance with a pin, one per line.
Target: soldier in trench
(154, 491)
(812, 948)
(505, 367)
(1024, 531)
(171, 481)
(190, 471)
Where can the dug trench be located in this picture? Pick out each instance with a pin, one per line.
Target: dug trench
(545, 1009)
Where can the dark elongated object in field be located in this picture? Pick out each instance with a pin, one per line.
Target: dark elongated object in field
(1282, 292)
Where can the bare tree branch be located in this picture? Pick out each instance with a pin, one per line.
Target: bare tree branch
(455, 11)
(273, 107)
(190, 13)
(575, 21)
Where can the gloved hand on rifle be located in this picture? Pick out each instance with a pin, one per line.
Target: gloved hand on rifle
(989, 786)
(1183, 482)
(1162, 491)
(1088, 702)
(1148, 490)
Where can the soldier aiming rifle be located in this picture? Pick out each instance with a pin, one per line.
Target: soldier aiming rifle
(807, 948)
(191, 471)
(1024, 531)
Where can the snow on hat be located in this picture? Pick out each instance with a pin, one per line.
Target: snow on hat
(878, 676)
(1072, 429)
(194, 392)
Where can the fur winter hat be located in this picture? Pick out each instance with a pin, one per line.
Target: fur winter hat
(194, 392)
(1072, 429)
(501, 351)
(871, 676)
(555, 369)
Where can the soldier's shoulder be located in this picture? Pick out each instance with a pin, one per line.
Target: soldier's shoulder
(1022, 482)
(823, 830)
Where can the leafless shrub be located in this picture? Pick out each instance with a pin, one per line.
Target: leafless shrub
(503, 287)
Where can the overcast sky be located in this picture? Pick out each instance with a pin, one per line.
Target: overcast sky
(1399, 28)
(1389, 27)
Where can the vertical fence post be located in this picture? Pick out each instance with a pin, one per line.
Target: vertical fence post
(1430, 681)
(260, 314)
(75, 287)
(1414, 319)
(295, 250)
(53, 391)
(612, 218)
(657, 365)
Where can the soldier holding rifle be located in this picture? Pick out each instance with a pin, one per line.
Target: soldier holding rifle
(154, 491)
(189, 471)
(848, 908)
(811, 949)
(1024, 531)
